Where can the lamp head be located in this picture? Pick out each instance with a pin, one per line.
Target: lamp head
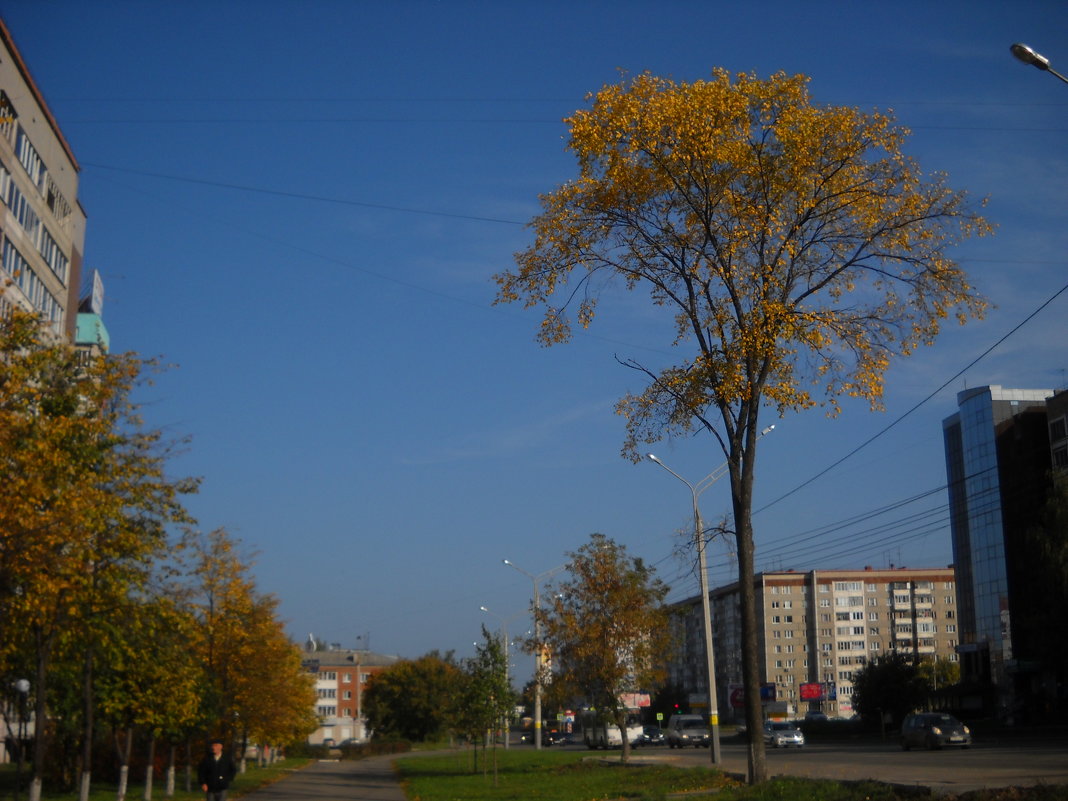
(652, 458)
(1029, 56)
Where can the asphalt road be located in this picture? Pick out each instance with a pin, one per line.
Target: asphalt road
(949, 770)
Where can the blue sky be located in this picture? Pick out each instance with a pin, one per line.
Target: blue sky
(301, 205)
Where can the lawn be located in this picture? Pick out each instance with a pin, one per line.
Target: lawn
(546, 776)
(576, 776)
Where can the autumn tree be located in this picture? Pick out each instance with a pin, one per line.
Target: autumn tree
(606, 628)
(485, 699)
(412, 699)
(794, 247)
(84, 498)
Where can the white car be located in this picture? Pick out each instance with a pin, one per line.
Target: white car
(783, 735)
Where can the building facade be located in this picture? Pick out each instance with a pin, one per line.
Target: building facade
(42, 225)
(341, 676)
(816, 630)
(1000, 446)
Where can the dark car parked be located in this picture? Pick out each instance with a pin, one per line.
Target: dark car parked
(651, 735)
(934, 730)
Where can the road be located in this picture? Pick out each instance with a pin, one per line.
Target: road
(949, 770)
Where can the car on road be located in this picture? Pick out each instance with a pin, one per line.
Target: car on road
(815, 716)
(651, 735)
(684, 730)
(782, 734)
(934, 730)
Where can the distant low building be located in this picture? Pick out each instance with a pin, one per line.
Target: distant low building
(341, 676)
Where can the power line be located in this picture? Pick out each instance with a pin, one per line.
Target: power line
(893, 423)
(300, 195)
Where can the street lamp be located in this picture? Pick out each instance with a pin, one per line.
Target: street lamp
(1037, 60)
(706, 611)
(536, 579)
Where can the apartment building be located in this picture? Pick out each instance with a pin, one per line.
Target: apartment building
(341, 676)
(816, 630)
(42, 225)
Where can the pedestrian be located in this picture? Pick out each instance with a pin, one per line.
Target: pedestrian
(216, 771)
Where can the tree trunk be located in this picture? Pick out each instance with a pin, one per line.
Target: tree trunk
(87, 726)
(621, 723)
(124, 760)
(188, 765)
(169, 792)
(150, 768)
(40, 707)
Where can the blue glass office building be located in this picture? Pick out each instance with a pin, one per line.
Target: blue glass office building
(997, 462)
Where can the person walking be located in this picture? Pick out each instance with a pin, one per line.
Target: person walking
(215, 772)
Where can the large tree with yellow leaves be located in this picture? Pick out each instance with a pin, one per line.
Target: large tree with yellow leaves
(795, 246)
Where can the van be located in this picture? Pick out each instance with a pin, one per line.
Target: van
(684, 730)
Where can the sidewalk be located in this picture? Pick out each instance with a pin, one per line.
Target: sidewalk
(370, 779)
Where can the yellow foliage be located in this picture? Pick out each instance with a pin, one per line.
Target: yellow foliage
(797, 246)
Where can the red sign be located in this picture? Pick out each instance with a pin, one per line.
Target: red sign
(812, 691)
(737, 696)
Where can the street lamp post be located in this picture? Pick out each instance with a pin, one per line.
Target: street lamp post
(706, 609)
(1037, 60)
(536, 579)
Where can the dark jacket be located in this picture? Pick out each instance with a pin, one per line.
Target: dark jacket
(216, 773)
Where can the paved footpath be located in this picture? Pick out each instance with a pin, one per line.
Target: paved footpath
(347, 780)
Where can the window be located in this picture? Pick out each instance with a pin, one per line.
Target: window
(7, 115)
(326, 711)
(875, 646)
(347, 695)
(787, 604)
(951, 629)
(824, 588)
(848, 586)
(873, 615)
(1057, 430)
(873, 631)
(870, 587)
(825, 602)
(1060, 457)
(328, 675)
(788, 618)
(856, 615)
(788, 634)
(325, 692)
(29, 158)
(873, 602)
(346, 678)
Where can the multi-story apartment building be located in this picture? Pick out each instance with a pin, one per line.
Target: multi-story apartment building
(816, 630)
(1000, 446)
(42, 226)
(341, 676)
